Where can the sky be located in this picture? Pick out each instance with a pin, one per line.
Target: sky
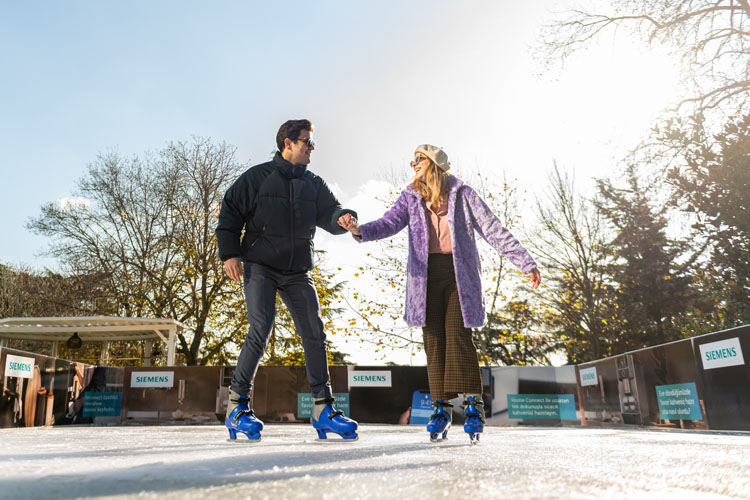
(376, 79)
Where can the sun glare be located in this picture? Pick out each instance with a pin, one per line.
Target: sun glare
(616, 92)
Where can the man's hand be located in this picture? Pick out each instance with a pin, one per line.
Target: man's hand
(348, 222)
(233, 268)
(535, 277)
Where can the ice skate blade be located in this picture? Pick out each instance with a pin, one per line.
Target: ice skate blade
(253, 437)
(474, 438)
(323, 438)
(243, 441)
(436, 437)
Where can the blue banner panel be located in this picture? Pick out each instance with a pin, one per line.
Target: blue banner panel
(102, 404)
(305, 404)
(421, 408)
(541, 406)
(678, 402)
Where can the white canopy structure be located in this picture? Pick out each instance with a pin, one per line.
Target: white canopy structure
(102, 329)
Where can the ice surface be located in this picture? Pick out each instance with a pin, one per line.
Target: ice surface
(388, 462)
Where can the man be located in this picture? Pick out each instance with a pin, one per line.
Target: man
(279, 204)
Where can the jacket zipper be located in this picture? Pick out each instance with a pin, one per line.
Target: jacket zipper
(291, 222)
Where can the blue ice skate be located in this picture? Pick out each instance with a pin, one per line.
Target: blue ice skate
(474, 424)
(333, 420)
(440, 421)
(242, 419)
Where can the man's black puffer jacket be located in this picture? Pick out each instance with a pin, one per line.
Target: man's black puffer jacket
(279, 206)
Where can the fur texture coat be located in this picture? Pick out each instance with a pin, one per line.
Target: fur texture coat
(467, 212)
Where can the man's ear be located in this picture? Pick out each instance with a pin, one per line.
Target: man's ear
(287, 144)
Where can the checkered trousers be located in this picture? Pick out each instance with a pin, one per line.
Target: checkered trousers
(452, 362)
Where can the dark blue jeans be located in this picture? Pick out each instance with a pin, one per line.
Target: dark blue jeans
(298, 293)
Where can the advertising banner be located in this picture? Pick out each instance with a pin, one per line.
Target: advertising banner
(421, 408)
(678, 402)
(102, 404)
(542, 406)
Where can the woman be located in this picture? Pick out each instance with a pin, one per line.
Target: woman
(444, 288)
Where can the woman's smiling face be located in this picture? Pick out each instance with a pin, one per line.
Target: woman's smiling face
(419, 164)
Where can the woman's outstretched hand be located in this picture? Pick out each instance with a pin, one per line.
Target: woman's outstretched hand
(348, 222)
(535, 277)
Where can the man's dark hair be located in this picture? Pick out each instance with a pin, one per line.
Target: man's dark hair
(291, 130)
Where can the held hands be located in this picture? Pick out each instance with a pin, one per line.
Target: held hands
(348, 222)
(535, 277)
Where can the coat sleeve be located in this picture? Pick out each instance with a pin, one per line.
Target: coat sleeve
(329, 210)
(236, 208)
(393, 221)
(498, 236)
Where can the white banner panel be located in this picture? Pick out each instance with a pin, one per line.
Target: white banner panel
(19, 366)
(722, 353)
(152, 379)
(588, 376)
(362, 378)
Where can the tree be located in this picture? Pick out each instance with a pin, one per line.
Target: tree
(516, 337)
(711, 38)
(579, 299)
(147, 226)
(24, 293)
(512, 335)
(711, 184)
(650, 270)
(698, 154)
(376, 303)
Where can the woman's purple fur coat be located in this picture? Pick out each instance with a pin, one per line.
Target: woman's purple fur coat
(466, 212)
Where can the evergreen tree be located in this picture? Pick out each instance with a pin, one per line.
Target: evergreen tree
(649, 269)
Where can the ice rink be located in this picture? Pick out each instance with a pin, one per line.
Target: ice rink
(187, 462)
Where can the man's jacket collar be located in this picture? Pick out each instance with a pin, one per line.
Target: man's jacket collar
(287, 169)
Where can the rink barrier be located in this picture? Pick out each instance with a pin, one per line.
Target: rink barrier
(697, 383)
(700, 382)
(86, 394)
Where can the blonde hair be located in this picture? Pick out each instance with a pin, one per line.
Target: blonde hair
(434, 184)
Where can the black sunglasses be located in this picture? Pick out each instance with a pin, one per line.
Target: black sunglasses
(419, 158)
(310, 143)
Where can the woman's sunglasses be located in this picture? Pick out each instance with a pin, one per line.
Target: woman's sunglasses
(419, 158)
